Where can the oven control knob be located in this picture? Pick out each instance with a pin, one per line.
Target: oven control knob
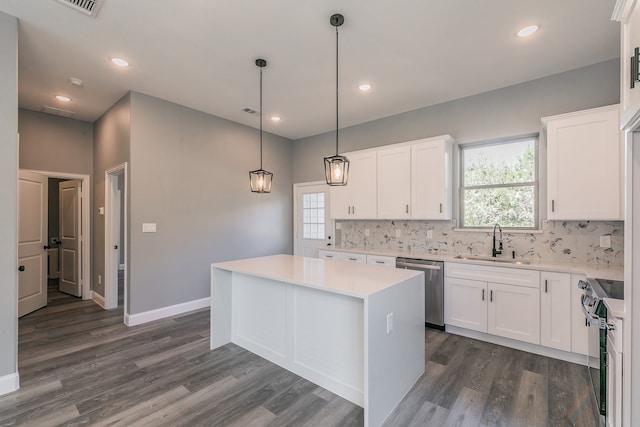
(583, 284)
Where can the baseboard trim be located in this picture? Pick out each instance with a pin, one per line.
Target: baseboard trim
(9, 383)
(161, 313)
(579, 359)
(98, 299)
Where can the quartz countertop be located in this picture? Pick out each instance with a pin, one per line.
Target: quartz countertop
(600, 271)
(357, 280)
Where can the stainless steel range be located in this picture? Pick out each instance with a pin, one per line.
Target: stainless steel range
(595, 311)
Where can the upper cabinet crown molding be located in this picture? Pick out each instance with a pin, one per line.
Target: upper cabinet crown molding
(622, 10)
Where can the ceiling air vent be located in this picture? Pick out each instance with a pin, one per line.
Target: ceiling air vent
(57, 111)
(87, 7)
(250, 111)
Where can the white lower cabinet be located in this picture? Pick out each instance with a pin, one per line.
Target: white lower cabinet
(343, 256)
(579, 325)
(388, 261)
(514, 312)
(495, 300)
(555, 319)
(465, 303)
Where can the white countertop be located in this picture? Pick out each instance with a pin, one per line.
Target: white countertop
(600, 271)
(615, 307)
(357, 280)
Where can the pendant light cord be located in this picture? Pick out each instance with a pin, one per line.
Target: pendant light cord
(337, 91)
(260, 117)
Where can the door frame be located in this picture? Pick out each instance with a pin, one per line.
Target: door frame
(86, 220)
(330, 226)
(111, 277)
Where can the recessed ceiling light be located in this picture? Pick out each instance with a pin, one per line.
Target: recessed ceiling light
(275, 118)
(364, 87)
(527, 31)
(120, 62)
(76, 82)
(63, 98)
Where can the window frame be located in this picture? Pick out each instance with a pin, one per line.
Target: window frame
(535, 183)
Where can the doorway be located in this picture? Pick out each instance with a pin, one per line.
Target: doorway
(313, 229)
(115, 238)
(75, 252)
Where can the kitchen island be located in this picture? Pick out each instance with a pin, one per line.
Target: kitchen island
(356, 330)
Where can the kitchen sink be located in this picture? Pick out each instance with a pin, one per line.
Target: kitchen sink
(490, 259)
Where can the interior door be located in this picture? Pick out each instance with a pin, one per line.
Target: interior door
(313, 227)
(32, 242)
(70, 237)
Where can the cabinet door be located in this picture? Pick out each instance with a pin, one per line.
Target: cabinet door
(339, 202)
(584, 165)
(579, 326)
(514, 312)
(394, 182)
(555, 310)
(465, 303)
(431, 180)
(362, 185)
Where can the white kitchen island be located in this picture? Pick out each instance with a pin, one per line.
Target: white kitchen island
(354, 329)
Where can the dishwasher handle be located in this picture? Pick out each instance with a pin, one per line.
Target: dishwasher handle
(404, 264)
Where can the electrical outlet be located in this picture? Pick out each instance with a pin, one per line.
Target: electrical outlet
(429, 234)
(605, 241)
(366, 232)
(389, 322)
(398, 233)
(338, 226)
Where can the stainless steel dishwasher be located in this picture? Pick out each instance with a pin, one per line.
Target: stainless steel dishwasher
(433, 288)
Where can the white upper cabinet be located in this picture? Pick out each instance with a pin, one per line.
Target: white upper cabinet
(431, 178)
(628, 14)
(584, 165)
(394, 182)
(357, 199)
(409, 180)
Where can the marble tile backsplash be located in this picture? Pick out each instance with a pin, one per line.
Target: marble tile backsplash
(559, 241)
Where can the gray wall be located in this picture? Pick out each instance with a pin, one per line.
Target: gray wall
(54, 143)
(190, 176)
(112, 139)
(514, 110)
(8, 194)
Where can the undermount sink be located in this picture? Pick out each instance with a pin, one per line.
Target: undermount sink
(490, 259)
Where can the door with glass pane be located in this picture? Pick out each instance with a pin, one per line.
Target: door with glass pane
(312, 226)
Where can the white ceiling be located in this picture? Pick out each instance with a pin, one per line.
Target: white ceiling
(201, 53)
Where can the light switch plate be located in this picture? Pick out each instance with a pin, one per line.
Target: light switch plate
(338, 226)
(398, 233)
(429, 234)
(149, 227)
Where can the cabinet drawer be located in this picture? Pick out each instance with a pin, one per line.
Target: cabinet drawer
(343, 256)
(329, 254)
(510, 276)
(388, 261)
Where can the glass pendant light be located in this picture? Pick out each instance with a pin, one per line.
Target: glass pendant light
(260, 179)
(336, 168)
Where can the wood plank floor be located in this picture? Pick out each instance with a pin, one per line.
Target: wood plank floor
(79, 365)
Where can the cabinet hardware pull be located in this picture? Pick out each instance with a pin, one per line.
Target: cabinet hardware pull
(379, 262)
(553, 205)
(546, 286)
(440, 207)
(483, 295)
(353, 259)
(491, 296)
(407, 209)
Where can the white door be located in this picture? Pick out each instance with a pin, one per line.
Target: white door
(32, 242)
(70, 237)
(313, 227)
(465, 303)
(514, 312)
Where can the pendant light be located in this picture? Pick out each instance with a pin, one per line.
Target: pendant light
(260, 179)
(336, 168)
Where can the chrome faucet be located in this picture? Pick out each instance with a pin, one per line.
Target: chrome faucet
(495, 251)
